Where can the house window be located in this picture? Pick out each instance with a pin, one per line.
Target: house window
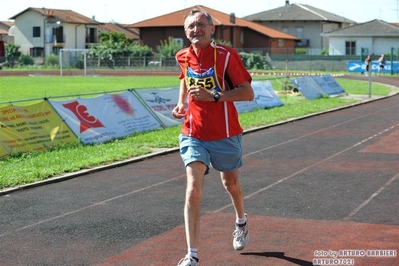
(56, 50)
(36, 52)
(285, 29)
(299, 32)
(179, 42)
(36, 31)
(350, 48)
(281, 42)
(91, 35)
(58, 35)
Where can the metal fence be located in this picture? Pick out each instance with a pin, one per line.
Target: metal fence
(276, 62)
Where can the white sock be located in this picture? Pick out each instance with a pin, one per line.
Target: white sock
(242, 220)
(193, 252)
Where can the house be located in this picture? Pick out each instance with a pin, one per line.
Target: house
(303, 21)
(375, 37)
(40, 31)
(242, 34)
(6, 34)
(131, 33)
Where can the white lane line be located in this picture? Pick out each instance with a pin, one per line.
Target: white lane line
(91, 206)
(307, 168)
(371, 198)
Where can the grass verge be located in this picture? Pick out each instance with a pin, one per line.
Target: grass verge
(37, 166)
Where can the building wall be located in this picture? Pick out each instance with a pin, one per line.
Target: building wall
(153, 36)
(74, 35)
(311, 30)
(375, 46)
(253, 39)
(24, 31)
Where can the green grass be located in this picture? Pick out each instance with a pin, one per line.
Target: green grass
(32, 87)
(36, 166)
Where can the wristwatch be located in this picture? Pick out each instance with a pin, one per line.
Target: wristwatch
(216, 96)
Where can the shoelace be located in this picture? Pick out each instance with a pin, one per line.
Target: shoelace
(238, 233)
(186, 259)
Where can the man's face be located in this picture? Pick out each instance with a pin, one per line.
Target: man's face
(198, 30)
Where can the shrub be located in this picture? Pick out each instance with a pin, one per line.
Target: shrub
(253, 61)
(52, 60)
(169, 47)
(25, 60)
(12, 53)
(324, 51)
(300, 50)
(220, 41)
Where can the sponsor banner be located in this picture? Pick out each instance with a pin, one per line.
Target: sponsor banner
(106, 117)
(32, 127)
(246, 106)
(329, 85)
(162, 102)
(357, 66)
(265, 96)
(308, 87)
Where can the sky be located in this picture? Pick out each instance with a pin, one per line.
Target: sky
(128, 12)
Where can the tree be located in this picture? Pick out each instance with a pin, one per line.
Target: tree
(114, 44)
(12, 53)
(169, 47)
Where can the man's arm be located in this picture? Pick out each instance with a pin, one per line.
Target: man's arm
(243, 92)
(179, 111)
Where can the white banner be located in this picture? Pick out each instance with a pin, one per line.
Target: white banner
(106, 117)
(246, 106)
(162, 102)
(265, 96)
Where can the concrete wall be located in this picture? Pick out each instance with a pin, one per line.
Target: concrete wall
(376, 46)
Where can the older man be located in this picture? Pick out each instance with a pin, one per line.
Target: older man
(212, 78)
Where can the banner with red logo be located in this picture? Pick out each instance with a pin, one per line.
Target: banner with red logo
(32, 127)
(106, 117)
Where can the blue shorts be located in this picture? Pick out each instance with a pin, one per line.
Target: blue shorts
(224, 155)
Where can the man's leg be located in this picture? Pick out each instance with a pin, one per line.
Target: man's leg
(195, 177)
(233, 186)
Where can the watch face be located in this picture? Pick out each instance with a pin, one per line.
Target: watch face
(216, 96)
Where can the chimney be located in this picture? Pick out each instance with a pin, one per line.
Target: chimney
(43, 10)
(232, 18)
(287, 2)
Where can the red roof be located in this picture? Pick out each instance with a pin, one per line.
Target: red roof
(219, 19)
(132, 33)
(67, 16)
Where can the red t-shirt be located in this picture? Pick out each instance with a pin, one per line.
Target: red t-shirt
(206, 120)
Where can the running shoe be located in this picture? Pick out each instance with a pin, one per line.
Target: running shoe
(241, 236)
(188, 261)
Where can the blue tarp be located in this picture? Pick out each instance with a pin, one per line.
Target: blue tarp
(265, 96)
(309, 87)
(329, 85)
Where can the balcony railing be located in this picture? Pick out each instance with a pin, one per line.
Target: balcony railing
(91, 38)
(303, 43)
(55, 39)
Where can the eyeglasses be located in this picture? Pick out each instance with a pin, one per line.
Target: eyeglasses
(198, 25)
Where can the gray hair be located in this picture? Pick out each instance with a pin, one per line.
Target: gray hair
(203, 12)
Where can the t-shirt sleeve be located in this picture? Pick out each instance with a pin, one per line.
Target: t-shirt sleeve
(180, 63)
(236, 69)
